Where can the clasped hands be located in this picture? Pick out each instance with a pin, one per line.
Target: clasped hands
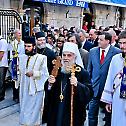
(29, 74)
(73, 80)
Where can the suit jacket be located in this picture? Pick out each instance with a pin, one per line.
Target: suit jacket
(117, 45)
(98, 72)
(94, 42)
(87, 45)
(84, 55)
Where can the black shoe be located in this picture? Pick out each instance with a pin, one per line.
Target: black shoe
(2, 98)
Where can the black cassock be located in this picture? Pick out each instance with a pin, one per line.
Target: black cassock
(59, 112)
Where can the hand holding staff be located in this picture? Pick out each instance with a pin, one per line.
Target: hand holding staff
(57, 65)
(73, 81)
(54, 73)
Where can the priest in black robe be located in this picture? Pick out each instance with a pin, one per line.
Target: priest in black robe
(42, 49)
(59, 90)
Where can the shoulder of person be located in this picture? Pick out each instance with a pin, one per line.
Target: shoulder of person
(40, 56)
(84, 51)
(22, 42)
(50, 52)
(93, 49)
(22, 56)
(117, 56)
(3, 41)
(116, 49)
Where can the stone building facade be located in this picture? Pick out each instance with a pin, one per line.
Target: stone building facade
(103, 15)
(61, 15)
(110, 15)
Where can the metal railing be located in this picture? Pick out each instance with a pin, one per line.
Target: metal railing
(9, 20)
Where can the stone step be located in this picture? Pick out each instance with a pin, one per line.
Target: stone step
(8, 107)
(6, 103)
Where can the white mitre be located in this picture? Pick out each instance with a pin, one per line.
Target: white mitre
(72, 47)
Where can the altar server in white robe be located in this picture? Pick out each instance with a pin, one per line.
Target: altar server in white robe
(33, 74)
(114, 93)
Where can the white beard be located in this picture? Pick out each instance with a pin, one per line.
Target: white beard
(41, 46)
(66, 66)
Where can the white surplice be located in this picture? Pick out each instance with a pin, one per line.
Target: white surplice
(111, 93)
(32, 88)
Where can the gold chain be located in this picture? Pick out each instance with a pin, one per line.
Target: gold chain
(62, 90)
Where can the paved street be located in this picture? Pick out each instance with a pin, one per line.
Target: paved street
(9, 112)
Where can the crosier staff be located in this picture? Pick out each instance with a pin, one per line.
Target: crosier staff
(73, 69)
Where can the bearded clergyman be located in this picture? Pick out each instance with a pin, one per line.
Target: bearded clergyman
(59, 90)
(33, 75)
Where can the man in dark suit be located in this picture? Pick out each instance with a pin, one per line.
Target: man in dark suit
(114, 38)
(98, 65)
(107, 117)
(85, 43)
(93, 34)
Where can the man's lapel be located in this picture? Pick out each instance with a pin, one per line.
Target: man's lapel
(108, 56)
(98, 55)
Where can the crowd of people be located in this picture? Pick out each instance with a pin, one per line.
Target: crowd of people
(89, 67)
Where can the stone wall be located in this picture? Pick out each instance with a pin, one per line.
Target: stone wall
(60, 15)
(68, 16)
(4, 4)
(107, 15)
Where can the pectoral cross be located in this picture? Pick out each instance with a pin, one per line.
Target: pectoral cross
(57, 65)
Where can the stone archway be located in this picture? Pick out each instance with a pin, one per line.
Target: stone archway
(119, 17)
(89, 15)
(35, 13)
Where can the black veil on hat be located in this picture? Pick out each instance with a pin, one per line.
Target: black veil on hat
(39, 34)
(29, 40)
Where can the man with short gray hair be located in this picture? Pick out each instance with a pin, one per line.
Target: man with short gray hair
(85, 43)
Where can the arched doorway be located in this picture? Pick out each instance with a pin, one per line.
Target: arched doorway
(89, 16)
(119, 17)
(35, 13)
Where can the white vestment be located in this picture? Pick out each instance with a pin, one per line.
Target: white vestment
(111, 93)
(32, 88)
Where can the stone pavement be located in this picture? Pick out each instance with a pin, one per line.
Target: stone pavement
(10, 117)
(9, 112)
